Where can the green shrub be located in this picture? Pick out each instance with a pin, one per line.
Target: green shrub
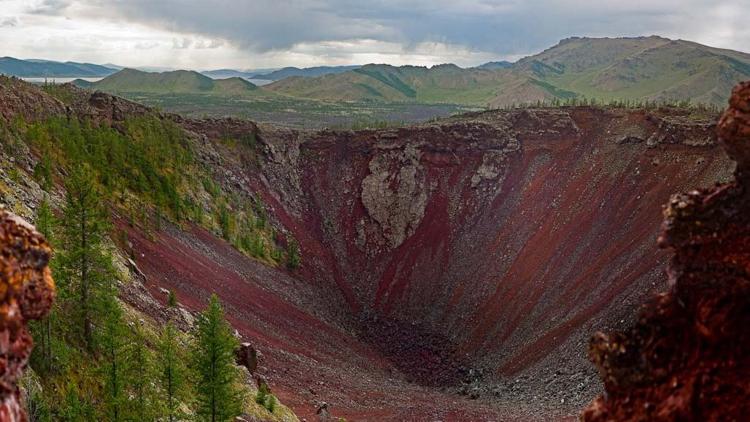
(293, 259)
(270, 403)
(172, 300)
(264, 398)
(260, 396)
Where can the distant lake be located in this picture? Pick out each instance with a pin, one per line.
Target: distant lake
(59, 80)
(260, 82)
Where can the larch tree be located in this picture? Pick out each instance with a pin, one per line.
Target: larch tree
(219, 397)
(141, 374)
(42, 330)
(173, 374)
(86, 271)
(113, 343)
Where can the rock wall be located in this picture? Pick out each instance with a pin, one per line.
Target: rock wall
(26, 293)
(688, 356)
(394, 192)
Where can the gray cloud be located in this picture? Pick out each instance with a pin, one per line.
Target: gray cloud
(49, 7)
(500, 26)
(181, 44)
(9, 22)
(268, 33)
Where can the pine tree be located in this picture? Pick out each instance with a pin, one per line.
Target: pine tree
(140, 375)
(113, 342)
(219, 398)
(86, 268)
(173, 373)
(42, 330)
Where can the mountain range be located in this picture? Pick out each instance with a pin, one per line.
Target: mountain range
(307, 72)
(634, 69)
(50, 69)
(278, 74)
(605, 69)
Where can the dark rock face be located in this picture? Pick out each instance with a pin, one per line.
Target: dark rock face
(687, 357)
(26, 293)
(247, 356)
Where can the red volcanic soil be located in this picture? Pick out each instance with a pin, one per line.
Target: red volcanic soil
(305, 359)
(451, 271)
(687, 356)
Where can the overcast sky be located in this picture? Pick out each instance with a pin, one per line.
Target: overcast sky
(245, 34)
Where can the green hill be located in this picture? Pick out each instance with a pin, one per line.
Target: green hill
(443, 83)
(305, 72)
(636, 69)
(652, 68)
(175, 82)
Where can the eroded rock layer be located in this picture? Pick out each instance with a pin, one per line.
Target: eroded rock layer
(688, 356)
(26, 293)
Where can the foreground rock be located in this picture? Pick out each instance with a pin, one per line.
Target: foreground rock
(687, 357)
(26, 293)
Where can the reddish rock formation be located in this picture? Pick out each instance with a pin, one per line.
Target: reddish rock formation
(26, 293)
(21, 99)
(688, 356)
(529, 230)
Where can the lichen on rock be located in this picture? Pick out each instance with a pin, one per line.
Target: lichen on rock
(26, 293)
(688, 356)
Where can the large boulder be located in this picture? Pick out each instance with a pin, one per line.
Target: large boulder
(26, 293)
(247, 356)
(688, 356)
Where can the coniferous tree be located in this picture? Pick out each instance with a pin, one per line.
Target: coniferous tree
(173, 373)
(113, 342)
(42, 330)
(86, 269)
(140, 375)
(219, 398)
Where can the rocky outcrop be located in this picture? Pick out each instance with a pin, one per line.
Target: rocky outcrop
(21, 99)
(687, 358)
(26, 293)
(247, 356)
(394, 192)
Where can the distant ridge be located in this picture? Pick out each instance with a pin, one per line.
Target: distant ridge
(495, 65)
(629, 69)
(307, 72)
(228, 73)
(636, 69)
(178, 81)
(11, 66)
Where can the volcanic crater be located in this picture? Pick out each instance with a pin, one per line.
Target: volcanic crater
(453, 270)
